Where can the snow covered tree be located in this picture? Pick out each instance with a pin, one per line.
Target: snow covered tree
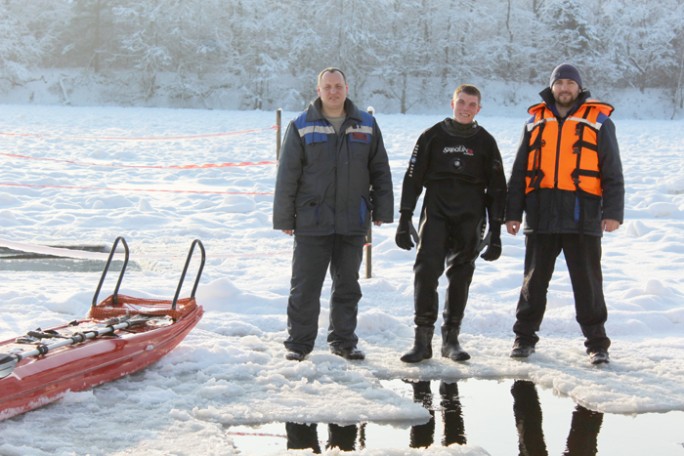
(27, 34)
(18, 51)
(569, 34)
(88, 39)
(646, 53)
(401, 54)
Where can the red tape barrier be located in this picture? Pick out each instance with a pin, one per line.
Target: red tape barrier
(121, 165)
(132, 189)
(149, 138)
(140, 138)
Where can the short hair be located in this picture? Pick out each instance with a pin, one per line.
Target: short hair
(469, 89)
(330, 70)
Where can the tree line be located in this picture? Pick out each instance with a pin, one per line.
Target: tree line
(262, 54)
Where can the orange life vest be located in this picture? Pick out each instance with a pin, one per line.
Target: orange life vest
(565, 156)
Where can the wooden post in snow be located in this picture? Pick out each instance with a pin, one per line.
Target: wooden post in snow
(368, 245)
(279, 119)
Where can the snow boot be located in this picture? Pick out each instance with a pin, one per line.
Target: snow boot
(294, 355)
(522, 348)
(450, 347)
(350, 353)
(422, 347)
(599, 356)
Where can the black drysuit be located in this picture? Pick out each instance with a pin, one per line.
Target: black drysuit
(461, 169)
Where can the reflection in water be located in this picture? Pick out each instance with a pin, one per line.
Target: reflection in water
(584, 429)
(305, 436)
(302, 436)
(583, 432)
(581, 440)
(454, 429)
(342, 437)
(422, 436)
(528, 419)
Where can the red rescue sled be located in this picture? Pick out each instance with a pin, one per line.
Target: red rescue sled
(119, 336)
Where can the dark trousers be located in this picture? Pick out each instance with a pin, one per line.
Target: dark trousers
(312, 257)
(454, 244)
(583, 257)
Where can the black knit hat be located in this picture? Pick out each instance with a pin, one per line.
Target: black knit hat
(565, 71)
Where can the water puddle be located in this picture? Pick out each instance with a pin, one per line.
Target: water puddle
(504, 417)
(16, 260)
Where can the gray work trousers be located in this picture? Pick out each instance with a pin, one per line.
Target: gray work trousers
(312, 257)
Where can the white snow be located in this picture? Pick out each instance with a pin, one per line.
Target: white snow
(74, 176)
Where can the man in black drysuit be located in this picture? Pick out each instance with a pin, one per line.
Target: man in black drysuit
(459, 164)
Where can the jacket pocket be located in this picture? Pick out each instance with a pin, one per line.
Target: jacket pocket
(308, 215)
(315, 217)
(590, 206)
(365, 209)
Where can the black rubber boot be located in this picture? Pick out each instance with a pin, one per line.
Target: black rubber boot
(450, 347)
(422, 347)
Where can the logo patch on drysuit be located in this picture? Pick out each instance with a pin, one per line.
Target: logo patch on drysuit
(458, 150)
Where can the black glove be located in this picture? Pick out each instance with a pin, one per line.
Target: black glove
(406, 232)
(493, 251)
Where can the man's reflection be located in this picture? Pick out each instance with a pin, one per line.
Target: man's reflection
(342, 437)
(305, 436)
(302, 436)
(528, 419)
(584, 429)
(452, 414)
(423, 435)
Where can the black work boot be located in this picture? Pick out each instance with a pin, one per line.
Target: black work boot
(450, 347)
(522, 348)
(422, 346)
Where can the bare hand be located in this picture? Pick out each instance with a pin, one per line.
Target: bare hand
(609, 225)
(288, 232)
(513, 226)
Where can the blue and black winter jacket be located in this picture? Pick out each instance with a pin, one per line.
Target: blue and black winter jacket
(332, 183)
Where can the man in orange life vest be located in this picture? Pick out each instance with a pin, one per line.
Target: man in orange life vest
(567, 179)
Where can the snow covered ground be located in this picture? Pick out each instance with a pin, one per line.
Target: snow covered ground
(83, 176)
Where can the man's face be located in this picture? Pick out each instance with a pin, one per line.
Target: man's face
(333, 90)
(565, 91)
(465, 107)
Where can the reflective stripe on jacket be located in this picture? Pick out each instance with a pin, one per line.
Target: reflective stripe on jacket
(565, 156)
(319, 130)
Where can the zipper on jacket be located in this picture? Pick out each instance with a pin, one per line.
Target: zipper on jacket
(561, 124)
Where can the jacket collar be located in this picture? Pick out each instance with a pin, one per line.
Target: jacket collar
(547, 97)
(315, 110)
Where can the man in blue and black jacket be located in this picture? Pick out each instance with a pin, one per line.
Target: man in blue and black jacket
(333, 181)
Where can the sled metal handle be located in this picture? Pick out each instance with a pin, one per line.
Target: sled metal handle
(203, 256)
(106, 269)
